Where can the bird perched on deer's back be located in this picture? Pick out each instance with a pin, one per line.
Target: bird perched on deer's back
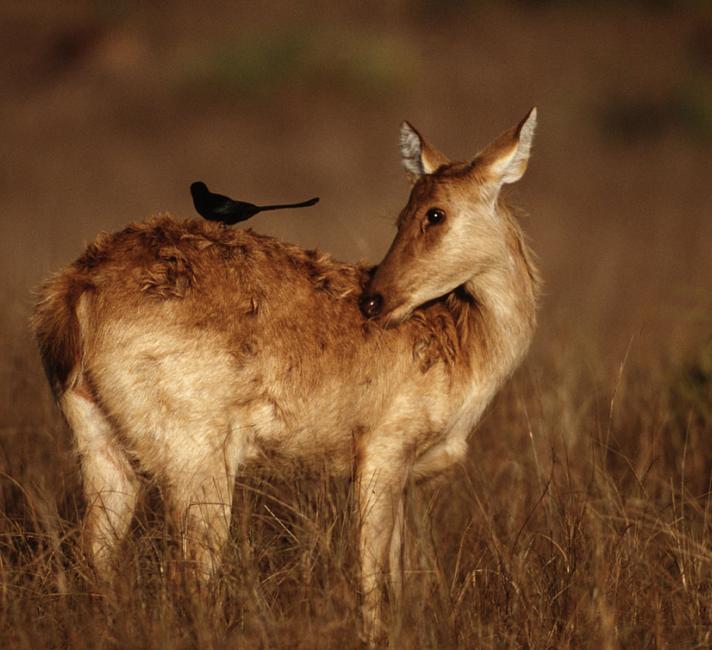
(216, 207)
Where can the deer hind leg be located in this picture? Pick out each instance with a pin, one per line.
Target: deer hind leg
(381, 478)
(110, 484)
(200, 501)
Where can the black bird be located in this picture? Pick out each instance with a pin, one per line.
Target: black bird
(216, 207)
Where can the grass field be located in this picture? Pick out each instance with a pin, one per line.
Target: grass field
(581, 518)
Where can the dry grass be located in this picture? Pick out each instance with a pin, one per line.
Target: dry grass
(582, 519)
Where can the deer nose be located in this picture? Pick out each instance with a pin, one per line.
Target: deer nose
(371, 304)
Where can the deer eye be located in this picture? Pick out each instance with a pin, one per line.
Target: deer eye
(435, 216)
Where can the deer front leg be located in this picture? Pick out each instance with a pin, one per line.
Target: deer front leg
(439, 458)
(381, 477)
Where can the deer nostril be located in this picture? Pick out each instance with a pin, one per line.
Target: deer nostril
(371, 304)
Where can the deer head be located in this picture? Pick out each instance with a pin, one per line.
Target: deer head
(450, 231)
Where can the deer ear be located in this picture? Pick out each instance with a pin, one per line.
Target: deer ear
(505, 160)
(418, 156)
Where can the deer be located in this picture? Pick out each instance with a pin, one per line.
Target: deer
(190, 351)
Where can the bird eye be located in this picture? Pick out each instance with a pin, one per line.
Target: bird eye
(435, 216)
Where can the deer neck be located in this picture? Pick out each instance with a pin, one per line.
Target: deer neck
(499, 312)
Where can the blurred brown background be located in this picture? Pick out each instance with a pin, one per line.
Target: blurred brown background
(110, 109)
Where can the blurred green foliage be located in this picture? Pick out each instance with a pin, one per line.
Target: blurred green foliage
(692, 105)
(360, 64)
(684, 106)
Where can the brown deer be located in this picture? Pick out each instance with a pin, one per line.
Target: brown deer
(191, 351)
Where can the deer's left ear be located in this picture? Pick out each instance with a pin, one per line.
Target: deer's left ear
(505, 160)
(418, 156)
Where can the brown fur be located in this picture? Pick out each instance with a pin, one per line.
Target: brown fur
(193, 350)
